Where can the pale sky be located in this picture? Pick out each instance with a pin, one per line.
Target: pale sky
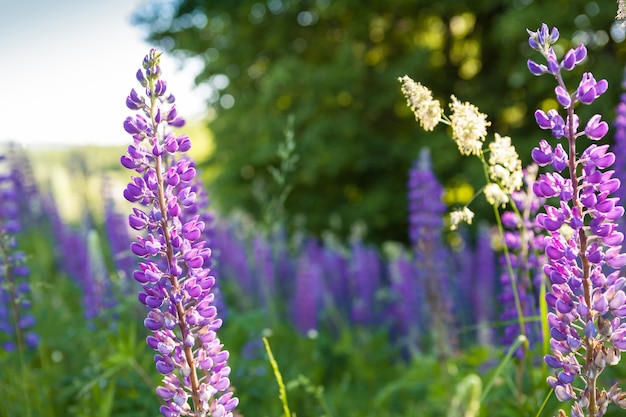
(66, 67)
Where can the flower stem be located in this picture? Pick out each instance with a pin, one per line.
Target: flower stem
(279, 379)
(180, 309)
(590, 377)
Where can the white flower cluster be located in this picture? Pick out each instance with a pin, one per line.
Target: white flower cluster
(495, 195)
(621, 10)
(505, 170)
(459, 216)
(420, 100)
(469, 127)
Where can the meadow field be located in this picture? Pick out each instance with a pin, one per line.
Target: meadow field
(126, 289)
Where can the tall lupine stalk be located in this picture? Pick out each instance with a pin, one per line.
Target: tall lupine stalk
(177, 285)
(426, 209)
(619, 136)
(524, 238)
(366, 270)
(587, 327)
(27, 194)
(462, 259)
(336, 272)
(483, 292)
(409, 318)
(308, 291)
(15, 322)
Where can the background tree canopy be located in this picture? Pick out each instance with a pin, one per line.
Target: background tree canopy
(333, 66)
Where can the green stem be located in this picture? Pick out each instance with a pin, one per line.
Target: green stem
(519, 341)
(509, 266)
(279, 379)
(545, 401)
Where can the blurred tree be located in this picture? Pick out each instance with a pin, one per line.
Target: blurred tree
(333, 65)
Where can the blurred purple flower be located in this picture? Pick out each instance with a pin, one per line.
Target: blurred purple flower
(307, 298)
(524, 238)
(426, 210)
(619, 136)
(365, 276)
(409, 316)
(16, 324)
(484, 288)
(117, 234)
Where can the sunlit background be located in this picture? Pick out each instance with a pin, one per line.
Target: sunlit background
(66, 67)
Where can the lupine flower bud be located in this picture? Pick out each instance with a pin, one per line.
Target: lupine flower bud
(581, 53)
(543, 154)
(563, 96)
(553, 63)
(596, 129)
(536, 69)
(588, 89)
(569, 61)
(184, 143)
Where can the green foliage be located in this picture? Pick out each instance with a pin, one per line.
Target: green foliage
(274, 202)
(334, 67)
(105, 368)
(358, 373)
(78, 369)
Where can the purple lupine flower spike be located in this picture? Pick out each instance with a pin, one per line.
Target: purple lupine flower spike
(177, 286)
(410, 321)
(524, 238)
(336, 274)
(426, 209)
(619, 136)
(586, 296)
(484, 288)
(15, 322)
(366, 271)
(308, 290)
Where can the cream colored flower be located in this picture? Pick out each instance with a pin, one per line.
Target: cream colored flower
(469, 127)
(420, 100)
(505, 167)
(621, 10)
(460, 215)
(495, 195)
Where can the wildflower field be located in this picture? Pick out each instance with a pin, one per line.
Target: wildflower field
(125, 291)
